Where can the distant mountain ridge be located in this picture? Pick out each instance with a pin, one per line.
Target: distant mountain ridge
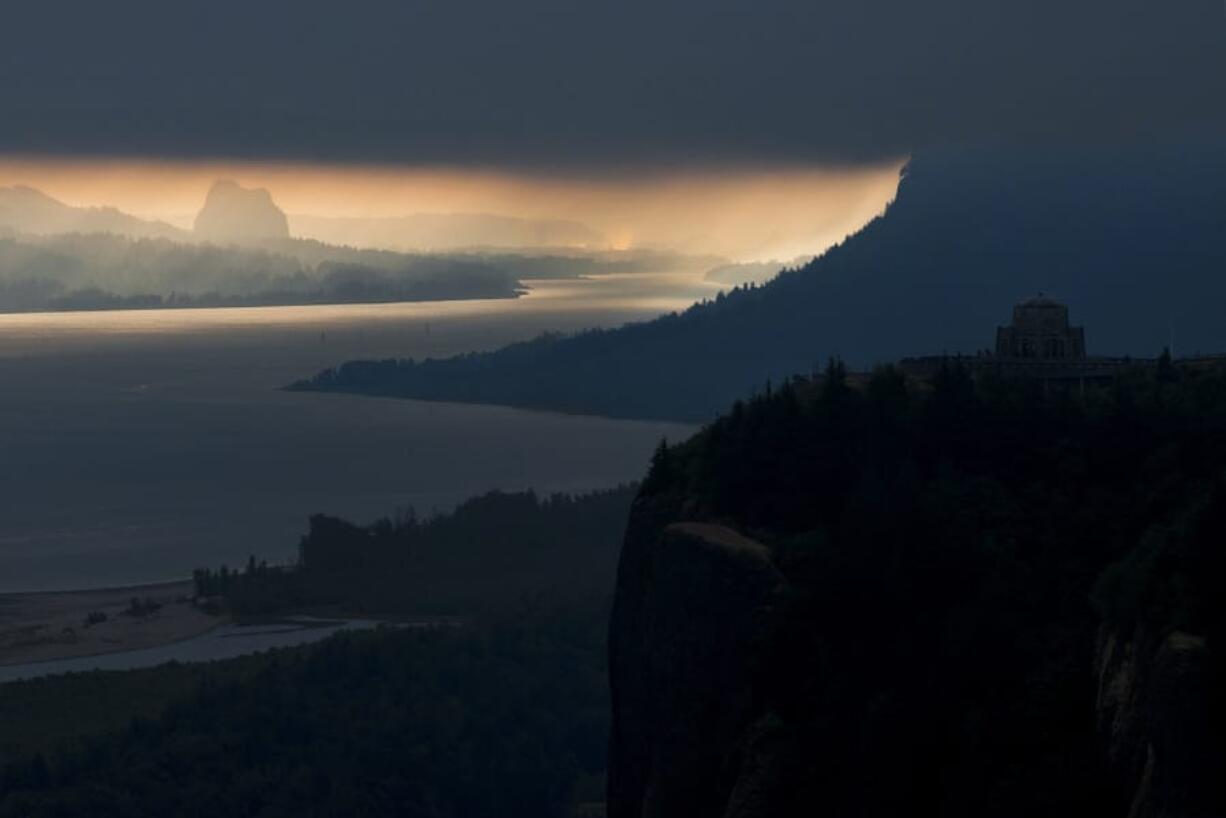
(1133, 242)
(27, 210)
(54, 256)
(232, 213)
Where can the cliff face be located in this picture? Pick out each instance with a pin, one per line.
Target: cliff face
(697, 609)
(694, 607)
(1152, 713)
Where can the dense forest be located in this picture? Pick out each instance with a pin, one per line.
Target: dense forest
(504, 713)
(502, 717)
(955, 562)
(490, 552)
(968, 235)
(103, 271)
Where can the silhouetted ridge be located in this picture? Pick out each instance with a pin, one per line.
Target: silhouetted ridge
(491, 551)
(1132, 242)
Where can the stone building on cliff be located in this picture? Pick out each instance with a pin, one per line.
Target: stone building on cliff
(1041, 330)
(1039, 344)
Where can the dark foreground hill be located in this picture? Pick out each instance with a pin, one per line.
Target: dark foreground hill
(503, 714)
(1133, 243)
(506, 717)
(962, 601)
(490, 552)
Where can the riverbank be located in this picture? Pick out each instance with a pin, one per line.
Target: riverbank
(48, 626)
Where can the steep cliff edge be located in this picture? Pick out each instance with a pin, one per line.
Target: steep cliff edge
(1161, 743)
(963, 601)
(693, 609)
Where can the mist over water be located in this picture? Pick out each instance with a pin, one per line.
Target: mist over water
(140, 444)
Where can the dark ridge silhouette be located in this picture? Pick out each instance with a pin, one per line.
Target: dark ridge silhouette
(1132, 242)
(489, 553)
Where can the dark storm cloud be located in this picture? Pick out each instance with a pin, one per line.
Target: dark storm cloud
(566, 81)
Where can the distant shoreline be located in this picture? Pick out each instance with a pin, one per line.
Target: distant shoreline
(137, 303)
(45, 626)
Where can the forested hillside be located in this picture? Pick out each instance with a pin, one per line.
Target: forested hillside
(490, 552)
(501, 710)
(955, 599)
(502, 718)
(1131, 241)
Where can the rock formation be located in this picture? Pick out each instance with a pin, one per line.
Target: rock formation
(232, 213)
(1151, 715)
(694, 603)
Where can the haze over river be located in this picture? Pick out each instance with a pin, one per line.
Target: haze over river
(136, 445)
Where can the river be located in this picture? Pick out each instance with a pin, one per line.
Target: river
(136, 445)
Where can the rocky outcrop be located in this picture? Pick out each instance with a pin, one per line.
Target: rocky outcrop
(697, 729)
(694, 606)
(232, 213)
(1154, 716)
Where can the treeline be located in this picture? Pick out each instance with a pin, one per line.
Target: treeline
(103, 271)
(491, 551)
(506, 717)
(954, 552)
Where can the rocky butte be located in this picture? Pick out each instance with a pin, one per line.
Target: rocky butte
(233, 214)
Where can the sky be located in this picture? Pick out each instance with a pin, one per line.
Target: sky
(744, 214)
(564, 84)
(634, 116)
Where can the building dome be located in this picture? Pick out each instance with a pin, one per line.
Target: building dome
(1040, 330)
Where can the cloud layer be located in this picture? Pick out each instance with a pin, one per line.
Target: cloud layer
(570, 82)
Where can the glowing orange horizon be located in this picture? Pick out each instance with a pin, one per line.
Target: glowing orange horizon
(740, 213)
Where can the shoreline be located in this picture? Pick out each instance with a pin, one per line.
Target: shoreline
(47, 626)
(130, 587)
